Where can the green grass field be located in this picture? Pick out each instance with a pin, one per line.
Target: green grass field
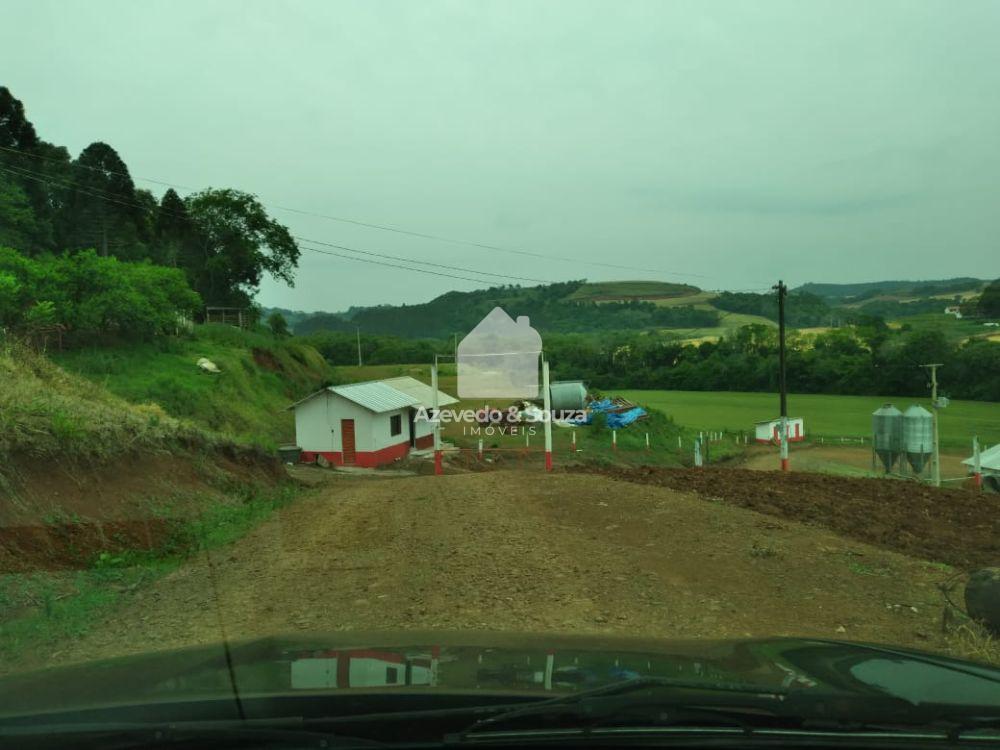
(828, 416)
(955, 330)
(728, 323)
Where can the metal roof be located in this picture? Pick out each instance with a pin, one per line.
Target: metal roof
(420, 391)
(989, 458)
(375, 396)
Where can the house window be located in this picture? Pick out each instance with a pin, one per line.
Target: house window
(396, 424)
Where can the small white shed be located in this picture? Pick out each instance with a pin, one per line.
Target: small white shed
(365, 424)
(769, 431)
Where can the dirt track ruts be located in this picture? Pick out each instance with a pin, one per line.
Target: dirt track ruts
(519, 551)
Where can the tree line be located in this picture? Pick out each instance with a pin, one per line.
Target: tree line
(220, 240)
(868, 359)
(865, 359)
(547, 307)
(83, 297)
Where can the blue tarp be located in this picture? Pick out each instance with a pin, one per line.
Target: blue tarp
(615, 421)
(625, 418)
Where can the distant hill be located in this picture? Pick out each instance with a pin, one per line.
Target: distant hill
(870, 289)
(588, 307)
(571, 306)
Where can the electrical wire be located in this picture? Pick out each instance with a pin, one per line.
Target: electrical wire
(97, 194)
(382, 227)
(421, 262)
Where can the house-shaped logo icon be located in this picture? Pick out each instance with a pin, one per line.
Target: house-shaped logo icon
(499, 358)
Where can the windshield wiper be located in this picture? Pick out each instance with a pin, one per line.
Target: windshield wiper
(617, 700)
(747, 708)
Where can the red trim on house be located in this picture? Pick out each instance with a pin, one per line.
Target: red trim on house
(424, 441)
(383, 455)
(366, 459)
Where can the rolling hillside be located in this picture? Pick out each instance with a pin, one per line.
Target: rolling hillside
(554, 308)
(894, 289)
(685, 311)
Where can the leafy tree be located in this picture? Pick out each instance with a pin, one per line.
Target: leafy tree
(277, 323)
(103, 211)
(174, 233)
(10, 303)
(15, 130)
(18, 227)
(989, 301)
(237, 244)
(93, 297)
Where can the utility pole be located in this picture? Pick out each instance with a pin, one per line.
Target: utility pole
(936, 458)
(359, 345)
(782, 385)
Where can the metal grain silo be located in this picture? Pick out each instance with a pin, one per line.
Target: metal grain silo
(567, 395)
(918, 436)
(887, 435)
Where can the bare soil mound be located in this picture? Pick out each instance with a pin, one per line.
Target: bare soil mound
(58, 515)
(954, 526)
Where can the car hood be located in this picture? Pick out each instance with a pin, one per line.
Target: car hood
(522, 664)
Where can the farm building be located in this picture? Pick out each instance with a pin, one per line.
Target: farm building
(366, 424)
(769, 431)
(989, 465)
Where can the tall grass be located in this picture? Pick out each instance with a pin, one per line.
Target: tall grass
(260, 376)
(46, 411)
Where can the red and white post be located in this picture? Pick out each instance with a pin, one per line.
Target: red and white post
(547, 421)
(480, 452)
(784, 443)
(977, 469)
(438, 468)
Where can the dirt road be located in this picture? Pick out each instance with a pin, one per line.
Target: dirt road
(515, 551)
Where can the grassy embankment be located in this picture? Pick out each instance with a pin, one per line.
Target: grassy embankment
(261, 375)
(81, 429)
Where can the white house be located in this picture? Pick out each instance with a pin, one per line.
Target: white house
(365, 424)
(769, 431)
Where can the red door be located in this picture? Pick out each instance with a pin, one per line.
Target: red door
(347, 440)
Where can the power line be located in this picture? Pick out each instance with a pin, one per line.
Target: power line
(38, 177)
(391, 265)
(97, 194)
(102, 195)
(421, 262)
(384, 227)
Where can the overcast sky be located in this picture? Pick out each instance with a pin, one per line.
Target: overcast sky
(720, 143)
